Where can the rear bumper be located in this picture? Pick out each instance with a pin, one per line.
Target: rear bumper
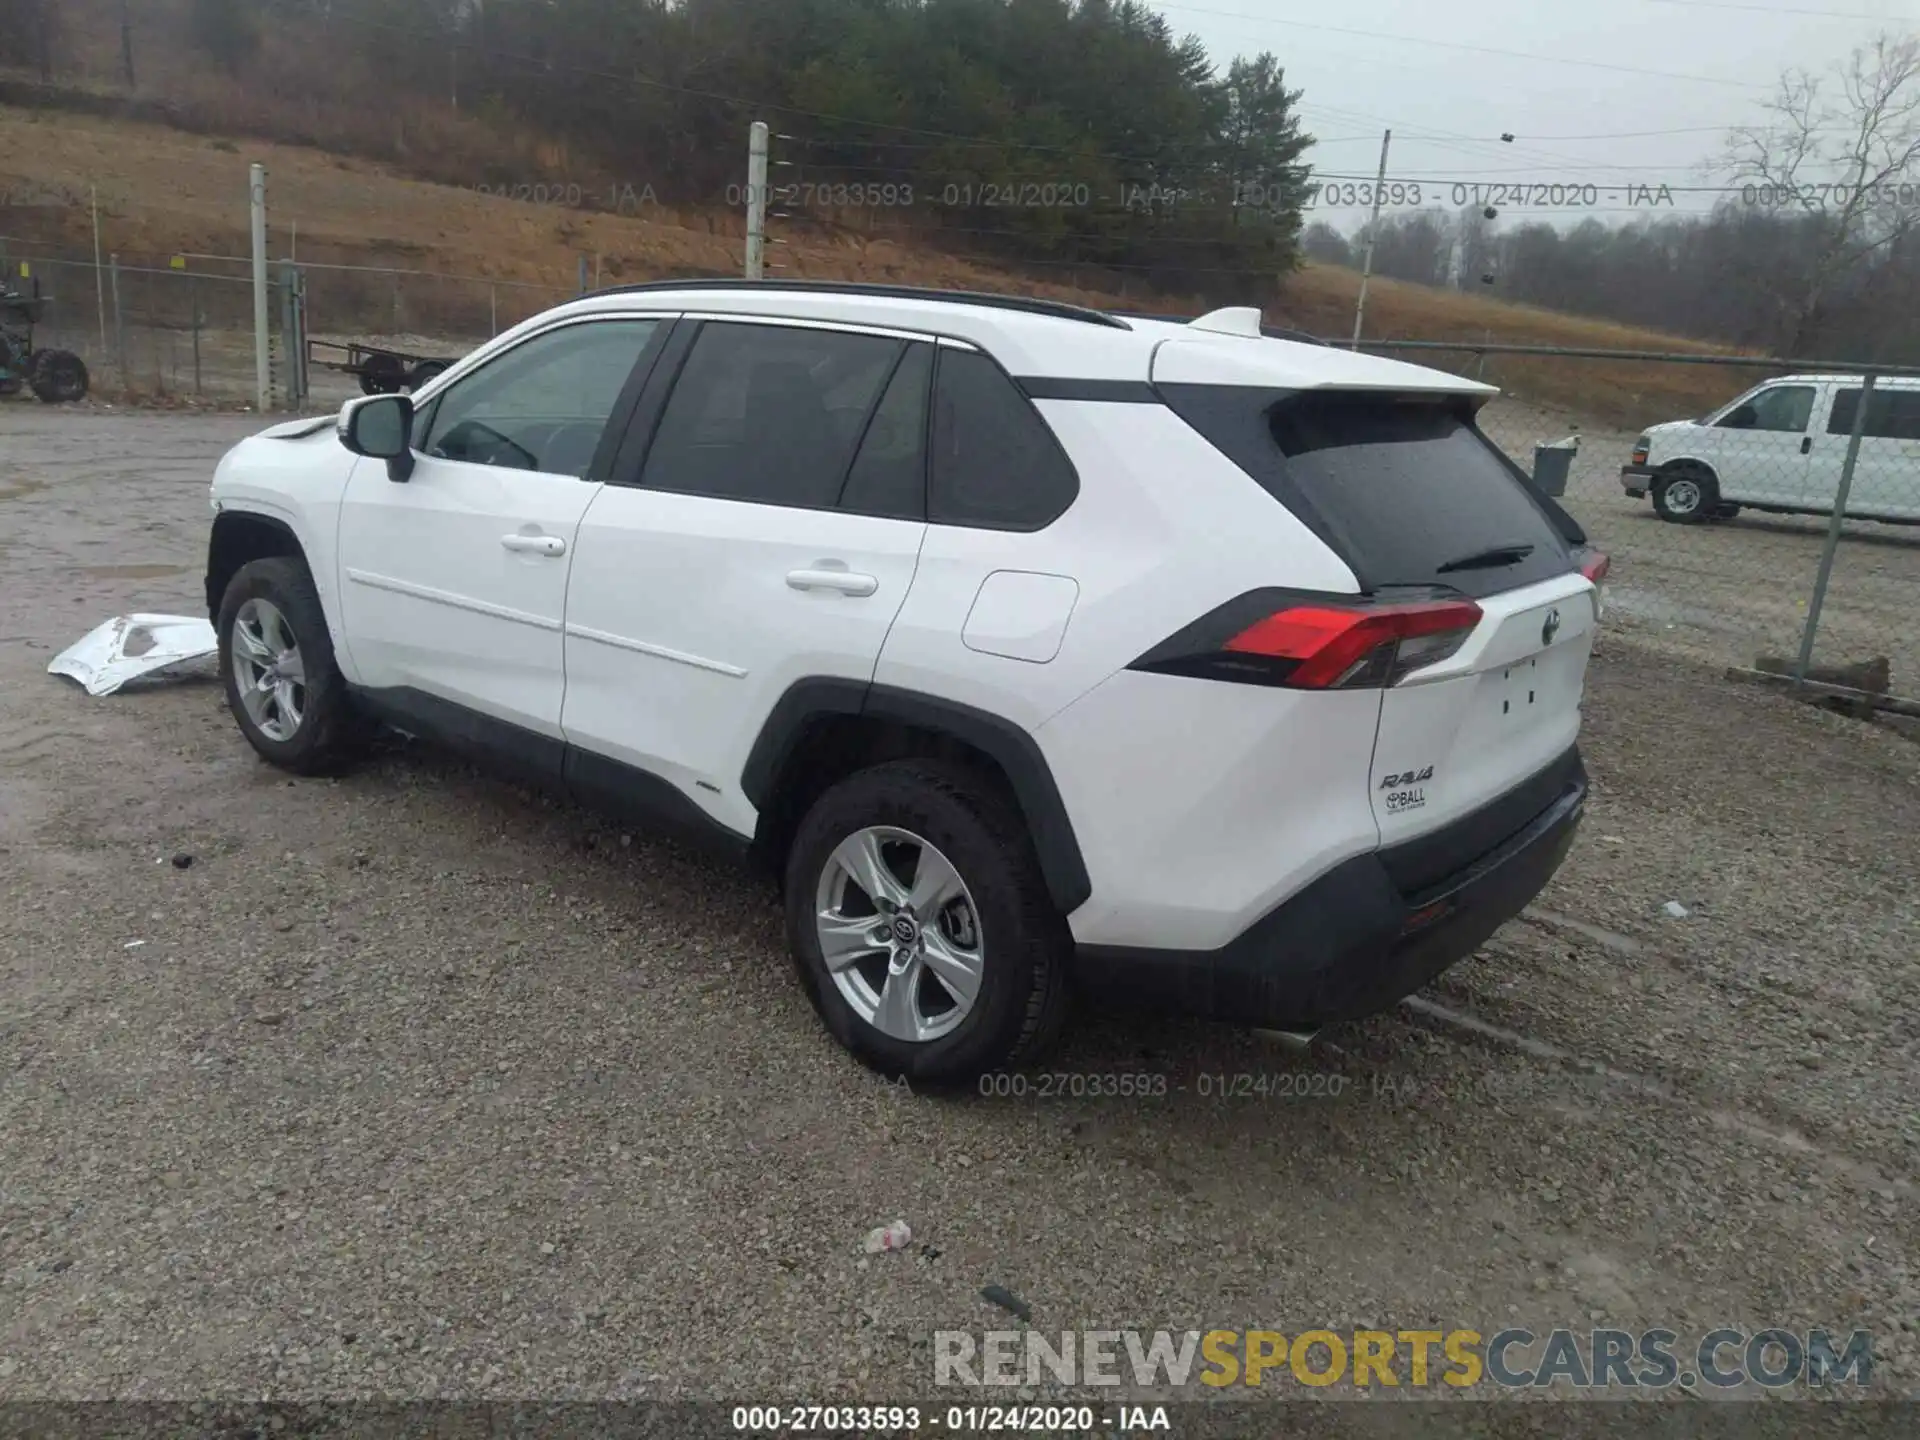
(1636, 480)
(1375, 928)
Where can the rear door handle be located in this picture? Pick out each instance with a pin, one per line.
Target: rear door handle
(845, 581)
(535, 544)
(1806, 444)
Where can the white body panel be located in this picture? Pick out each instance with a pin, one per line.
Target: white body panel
(1201, 806)
(298, 482)
(1500, 709)
(455, 583)
(687, 622)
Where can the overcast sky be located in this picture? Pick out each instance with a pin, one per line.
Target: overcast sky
(1575, 69)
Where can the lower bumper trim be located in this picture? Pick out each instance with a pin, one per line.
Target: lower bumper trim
(1352, 943)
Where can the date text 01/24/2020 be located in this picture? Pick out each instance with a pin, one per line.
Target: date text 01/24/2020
(1521, 195)
(962, 1419)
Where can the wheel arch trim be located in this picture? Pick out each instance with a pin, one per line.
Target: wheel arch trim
(1012, 748)
(1681, 463)
(229, 519)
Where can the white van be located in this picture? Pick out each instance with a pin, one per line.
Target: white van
(1781, 447)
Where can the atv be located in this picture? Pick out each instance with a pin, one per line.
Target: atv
(55, 376)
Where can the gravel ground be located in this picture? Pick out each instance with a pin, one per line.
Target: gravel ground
(416, 1084)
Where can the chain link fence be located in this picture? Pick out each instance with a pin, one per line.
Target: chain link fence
(174, 327)
(1754, 511)
(143, 330)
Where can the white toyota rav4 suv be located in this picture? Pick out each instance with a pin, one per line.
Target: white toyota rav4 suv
(1032, 646)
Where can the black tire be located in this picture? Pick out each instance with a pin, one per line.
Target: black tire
(1685, 495)
(1022, 999)
(58, 377)
(329, 732)
(382, 374)
(423, 372)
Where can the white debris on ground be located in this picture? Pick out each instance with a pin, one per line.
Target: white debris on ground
(129, 646)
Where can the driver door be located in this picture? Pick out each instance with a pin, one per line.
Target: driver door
(453, 583)
(1761, 456)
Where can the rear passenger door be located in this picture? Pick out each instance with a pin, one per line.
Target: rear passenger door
(769, 532)
(1886, 476)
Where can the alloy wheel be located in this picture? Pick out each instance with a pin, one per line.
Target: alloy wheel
(900, 934)
(268, 673)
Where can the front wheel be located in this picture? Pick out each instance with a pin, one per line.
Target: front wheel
(276, 663)
(1686, 496)
(921, 925)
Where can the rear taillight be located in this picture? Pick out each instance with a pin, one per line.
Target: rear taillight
(1320, 643)
(1641, 447)
(1595, 566)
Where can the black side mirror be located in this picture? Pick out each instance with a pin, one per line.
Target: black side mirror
(380, 427)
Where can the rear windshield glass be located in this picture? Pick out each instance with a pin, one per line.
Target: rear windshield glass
(1404, 488)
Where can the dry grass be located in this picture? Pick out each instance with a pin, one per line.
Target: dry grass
(164, 190)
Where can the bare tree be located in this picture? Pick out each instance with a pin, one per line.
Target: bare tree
(1850, 163)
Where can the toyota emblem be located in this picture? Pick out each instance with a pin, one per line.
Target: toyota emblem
(1551, 628)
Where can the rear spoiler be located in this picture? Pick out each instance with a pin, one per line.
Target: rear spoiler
(1270, 332)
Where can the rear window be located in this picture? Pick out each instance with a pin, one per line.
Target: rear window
(1404, 488)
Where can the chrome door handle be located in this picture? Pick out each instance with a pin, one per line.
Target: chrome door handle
(535, 544)
(845, 581)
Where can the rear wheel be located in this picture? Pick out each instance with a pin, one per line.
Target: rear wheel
(1685, 495)
(921, 925)
(58, 377)
(423, 372)
(276, 663)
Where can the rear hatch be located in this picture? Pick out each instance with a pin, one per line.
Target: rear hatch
(1392, 473)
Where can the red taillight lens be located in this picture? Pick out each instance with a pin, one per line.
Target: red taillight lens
(1337, 647)
(1595, 567)
(1639, 455)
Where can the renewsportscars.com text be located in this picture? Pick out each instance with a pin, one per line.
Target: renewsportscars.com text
(1510, 1358)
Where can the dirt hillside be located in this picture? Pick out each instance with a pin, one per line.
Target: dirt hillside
(163, 192)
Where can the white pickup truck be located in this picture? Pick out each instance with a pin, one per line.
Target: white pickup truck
(1781, 447)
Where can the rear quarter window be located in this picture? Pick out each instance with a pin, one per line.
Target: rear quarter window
(996, 464)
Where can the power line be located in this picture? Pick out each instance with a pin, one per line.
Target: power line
(1777, 10)
(1431, 44)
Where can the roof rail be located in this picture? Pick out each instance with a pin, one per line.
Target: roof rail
(1270, 332)
(1029, 304)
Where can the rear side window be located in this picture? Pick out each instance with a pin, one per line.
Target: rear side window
(1893, 415)
(769, 413)
(996, 465)
(1404, 488)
